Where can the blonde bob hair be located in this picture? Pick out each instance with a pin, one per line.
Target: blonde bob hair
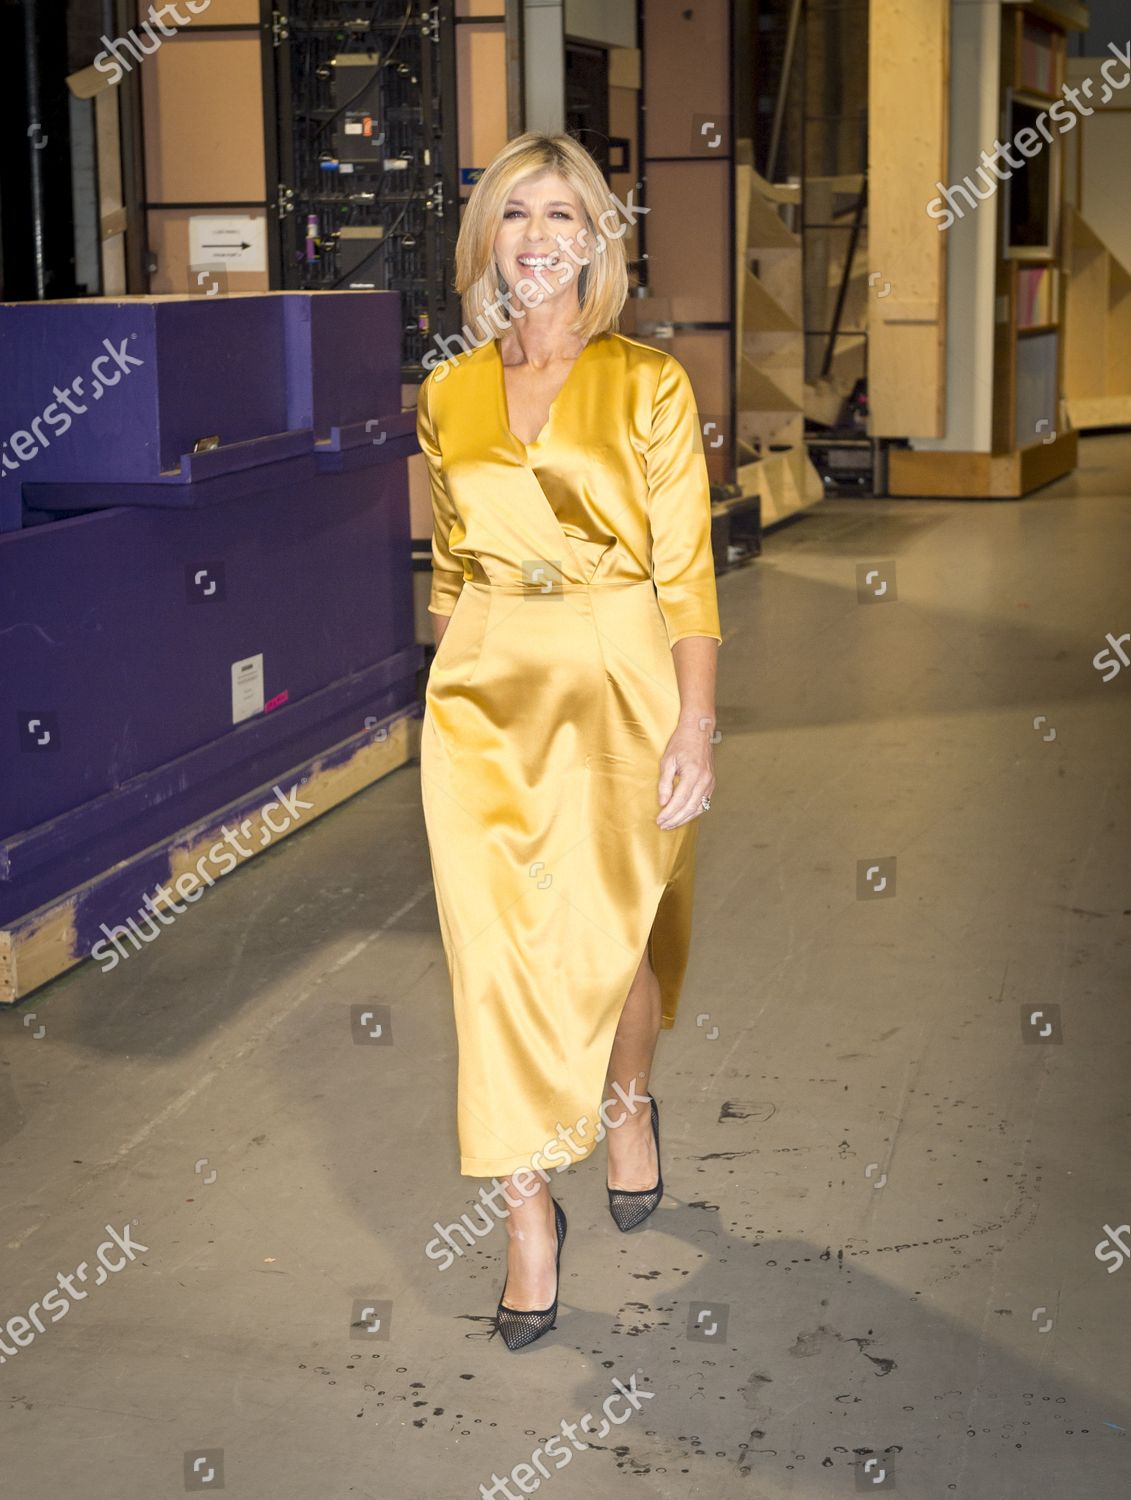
(602, 284)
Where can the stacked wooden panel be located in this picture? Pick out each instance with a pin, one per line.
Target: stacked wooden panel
(770, 362)
(1097, 355)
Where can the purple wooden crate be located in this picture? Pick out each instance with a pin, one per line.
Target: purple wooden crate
(119, 628)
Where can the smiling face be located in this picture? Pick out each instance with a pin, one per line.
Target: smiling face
(543, 222)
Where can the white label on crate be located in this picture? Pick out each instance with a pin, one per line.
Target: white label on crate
(353, 127)
(247, 688)
(235, 241)
(395, 164)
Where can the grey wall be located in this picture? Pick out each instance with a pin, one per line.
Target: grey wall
(1111, 22)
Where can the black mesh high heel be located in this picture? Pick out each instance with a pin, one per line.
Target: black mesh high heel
(521, 1328)
(630, 1209)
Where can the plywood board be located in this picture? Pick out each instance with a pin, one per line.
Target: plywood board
(761, 312)
(481, 96)
(984, 476)
(216, 13)
(687, 61)
(909, 111)
(765, 228)
(1086, 332)
(1097, 365)
(758, 391)
(108, 139)
(169, 241)
(1099, 411)
(775, 352)
(770, 429)
(624, 67)
(1119, 331)
(785, 483)
(690, 266)
(1104, 199)
(204, 134)
(779, 271)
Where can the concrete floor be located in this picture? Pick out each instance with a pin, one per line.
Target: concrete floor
(878, 1174)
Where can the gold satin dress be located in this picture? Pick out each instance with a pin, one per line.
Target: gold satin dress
(569, 567)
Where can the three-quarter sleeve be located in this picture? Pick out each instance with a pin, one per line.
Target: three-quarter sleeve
(679, 510)
(447, 570)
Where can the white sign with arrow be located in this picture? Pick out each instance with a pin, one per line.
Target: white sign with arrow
(237, 242)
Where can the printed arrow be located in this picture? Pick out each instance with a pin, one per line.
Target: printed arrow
(227, 245)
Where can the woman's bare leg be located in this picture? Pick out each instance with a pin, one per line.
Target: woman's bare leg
(532, 1246)
(632, 1149)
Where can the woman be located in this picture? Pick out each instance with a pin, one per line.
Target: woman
(566, 751)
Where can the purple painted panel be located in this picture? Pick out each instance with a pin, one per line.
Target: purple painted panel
(236, 481)
(118, 630)
(118, 391)
(221, 372)
(118, 896)
(196, 780)
(116, 899)
(178, 797)
(333, 378)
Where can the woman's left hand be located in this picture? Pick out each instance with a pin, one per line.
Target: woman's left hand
(690, 756)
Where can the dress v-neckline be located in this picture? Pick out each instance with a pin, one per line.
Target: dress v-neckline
(504, 404)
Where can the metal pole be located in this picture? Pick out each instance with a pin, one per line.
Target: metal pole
(35, 145)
